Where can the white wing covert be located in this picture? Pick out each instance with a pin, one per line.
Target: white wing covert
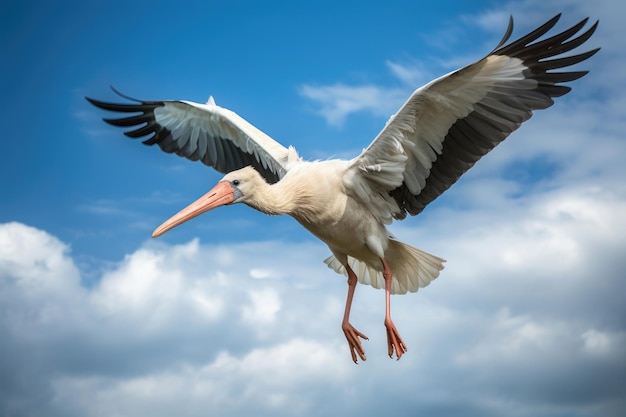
(212, 134)
(450, 123)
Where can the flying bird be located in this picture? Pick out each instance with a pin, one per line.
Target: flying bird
(438, 134)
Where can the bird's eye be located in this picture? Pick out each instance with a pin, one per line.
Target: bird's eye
(236, 182)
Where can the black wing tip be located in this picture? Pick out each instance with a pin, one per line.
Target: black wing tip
(554, 20)
(593, 52)
(139, 106)
(98, 103)
(593, 28)
(528, 40)
(105, 105)
(95, 102)
(507, 34)
(114, 122)
(143, 120)
(127, 97)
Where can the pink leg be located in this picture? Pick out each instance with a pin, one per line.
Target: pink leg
(352, 334)
(394, 341)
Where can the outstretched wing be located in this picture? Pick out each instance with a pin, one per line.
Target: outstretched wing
(450, 123)
(214, 135)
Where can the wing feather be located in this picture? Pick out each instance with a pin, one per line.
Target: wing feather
(450, 123)
(206, 132)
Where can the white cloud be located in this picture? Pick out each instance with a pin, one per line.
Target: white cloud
(148, 306)
(223, 384)
(492, 21)
(601, 344)
(532, 290)
(413, 75)
(35, 258)
(510, 339)
(339, 100)
(261, 273)
(264, 304)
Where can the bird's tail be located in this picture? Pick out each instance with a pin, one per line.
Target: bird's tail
(412, 268)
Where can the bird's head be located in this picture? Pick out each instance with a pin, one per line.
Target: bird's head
(236, 187)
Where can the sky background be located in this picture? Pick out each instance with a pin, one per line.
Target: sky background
(234, 313)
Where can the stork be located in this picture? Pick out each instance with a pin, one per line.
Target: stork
(437, 135)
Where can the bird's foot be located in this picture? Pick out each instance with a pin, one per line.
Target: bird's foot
(352, 336)
(394, 341)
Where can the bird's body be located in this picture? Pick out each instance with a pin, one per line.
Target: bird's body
(321, 203)
(437, 135)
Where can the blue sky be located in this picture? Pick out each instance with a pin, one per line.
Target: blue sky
(234, 312)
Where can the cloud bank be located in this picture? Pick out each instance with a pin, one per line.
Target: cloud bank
(527, 316)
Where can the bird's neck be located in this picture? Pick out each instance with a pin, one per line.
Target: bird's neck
(283, 197)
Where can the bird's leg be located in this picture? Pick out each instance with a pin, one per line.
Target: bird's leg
(394, 341)
(352, 334)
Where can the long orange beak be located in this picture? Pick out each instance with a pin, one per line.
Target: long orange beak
(220, 195)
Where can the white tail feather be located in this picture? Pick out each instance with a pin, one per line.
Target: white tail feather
(412, 268)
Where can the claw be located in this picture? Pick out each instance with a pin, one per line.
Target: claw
(352, 336)
(394, 341)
